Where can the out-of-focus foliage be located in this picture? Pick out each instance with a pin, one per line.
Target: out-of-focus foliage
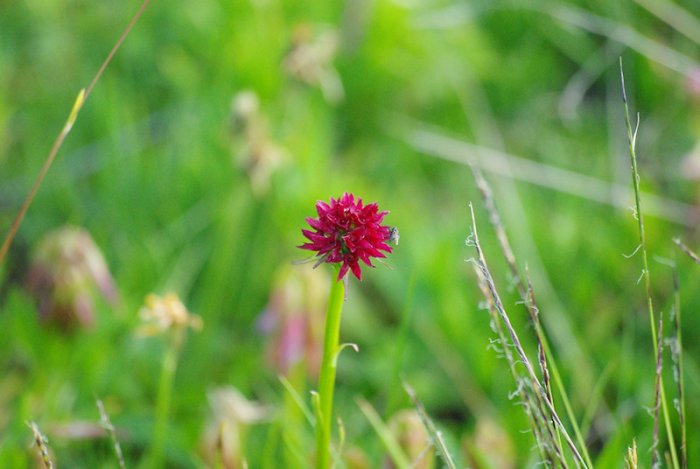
(184, 193)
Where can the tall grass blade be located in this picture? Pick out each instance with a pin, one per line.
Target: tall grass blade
(392, 446)
(677, 355)
(657, 396)
(308, 414)
(436, 143)
(632, 142)
(675, 16)
(687, 250)
(435, 434)
(109, 428)
(77, 106)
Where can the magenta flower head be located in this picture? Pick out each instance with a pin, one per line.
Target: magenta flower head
(346, 232)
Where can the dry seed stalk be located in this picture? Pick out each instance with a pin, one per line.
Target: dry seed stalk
(41, 443)
(539, 390)
(526, 294)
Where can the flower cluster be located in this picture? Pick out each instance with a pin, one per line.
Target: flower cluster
(346, 232)
(68, 272)
(161, 314)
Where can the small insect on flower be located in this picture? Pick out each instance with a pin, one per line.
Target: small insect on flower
(346, 232)
(394, 236)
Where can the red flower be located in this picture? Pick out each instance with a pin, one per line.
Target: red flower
(347, 231)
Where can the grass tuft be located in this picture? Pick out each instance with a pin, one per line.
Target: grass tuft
(540, 407)
(527, 295)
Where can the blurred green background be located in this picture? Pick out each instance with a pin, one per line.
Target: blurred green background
(186, 189)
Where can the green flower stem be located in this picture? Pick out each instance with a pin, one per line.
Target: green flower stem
(324, 417)
(165, 390)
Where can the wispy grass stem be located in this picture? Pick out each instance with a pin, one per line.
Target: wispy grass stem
(526, 293)
(687, 250)
(549, 446)
(658, 382)
(435, 434)
(677, 354)
(65, 130)
(632, 142)
(41, 443)
(547, 406)
(109, 428)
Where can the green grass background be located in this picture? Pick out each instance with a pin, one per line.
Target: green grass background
(149, 171)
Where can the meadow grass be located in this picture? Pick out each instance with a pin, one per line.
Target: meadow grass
(181, 198)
